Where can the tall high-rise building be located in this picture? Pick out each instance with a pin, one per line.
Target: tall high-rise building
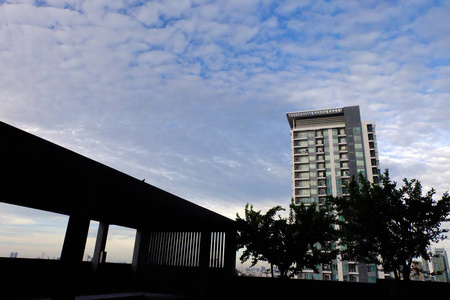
(329, 146)
(440, 265)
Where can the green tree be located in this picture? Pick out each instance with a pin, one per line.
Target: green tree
(302, 240)
(390, 226)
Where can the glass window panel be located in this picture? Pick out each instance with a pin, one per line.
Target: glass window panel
(120, 244)
(31, 233)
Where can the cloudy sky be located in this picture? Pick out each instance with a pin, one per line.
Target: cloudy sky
(193, 95)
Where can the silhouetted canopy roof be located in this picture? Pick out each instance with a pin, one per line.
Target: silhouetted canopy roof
(39, 174)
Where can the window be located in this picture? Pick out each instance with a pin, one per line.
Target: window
(120, 244)
(300, 135)
(371, 268)
(302, 183)
(302, 143)
(372, 279)
(303, 167)
(31, 233)
(334, 267)
(352, 268)
(90, 242)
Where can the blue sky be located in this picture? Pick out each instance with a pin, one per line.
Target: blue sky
(193, 95)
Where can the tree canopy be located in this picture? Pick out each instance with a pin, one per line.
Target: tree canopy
(302, 240)
(390, 225)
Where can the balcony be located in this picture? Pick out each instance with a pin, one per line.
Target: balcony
(302, 144)
(343, 156)
(300, 151)
(300, 136)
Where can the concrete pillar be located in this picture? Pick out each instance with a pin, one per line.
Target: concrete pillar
(205, 248)
(141, 250)
(100, 244)
(72, 256)
(230, 252)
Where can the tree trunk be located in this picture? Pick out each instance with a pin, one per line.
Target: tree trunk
(406, 272)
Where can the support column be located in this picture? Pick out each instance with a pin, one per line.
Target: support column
(230, 252)
(205, 249)
(100, 244)
(72, 256)
(141, 249)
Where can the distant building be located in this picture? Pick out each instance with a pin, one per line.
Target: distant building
(329, 146)
(440, 265)
(436, 269)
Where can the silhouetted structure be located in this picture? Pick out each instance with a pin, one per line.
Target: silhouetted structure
(180, 247)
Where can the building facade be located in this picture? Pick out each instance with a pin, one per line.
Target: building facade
(329, 147)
